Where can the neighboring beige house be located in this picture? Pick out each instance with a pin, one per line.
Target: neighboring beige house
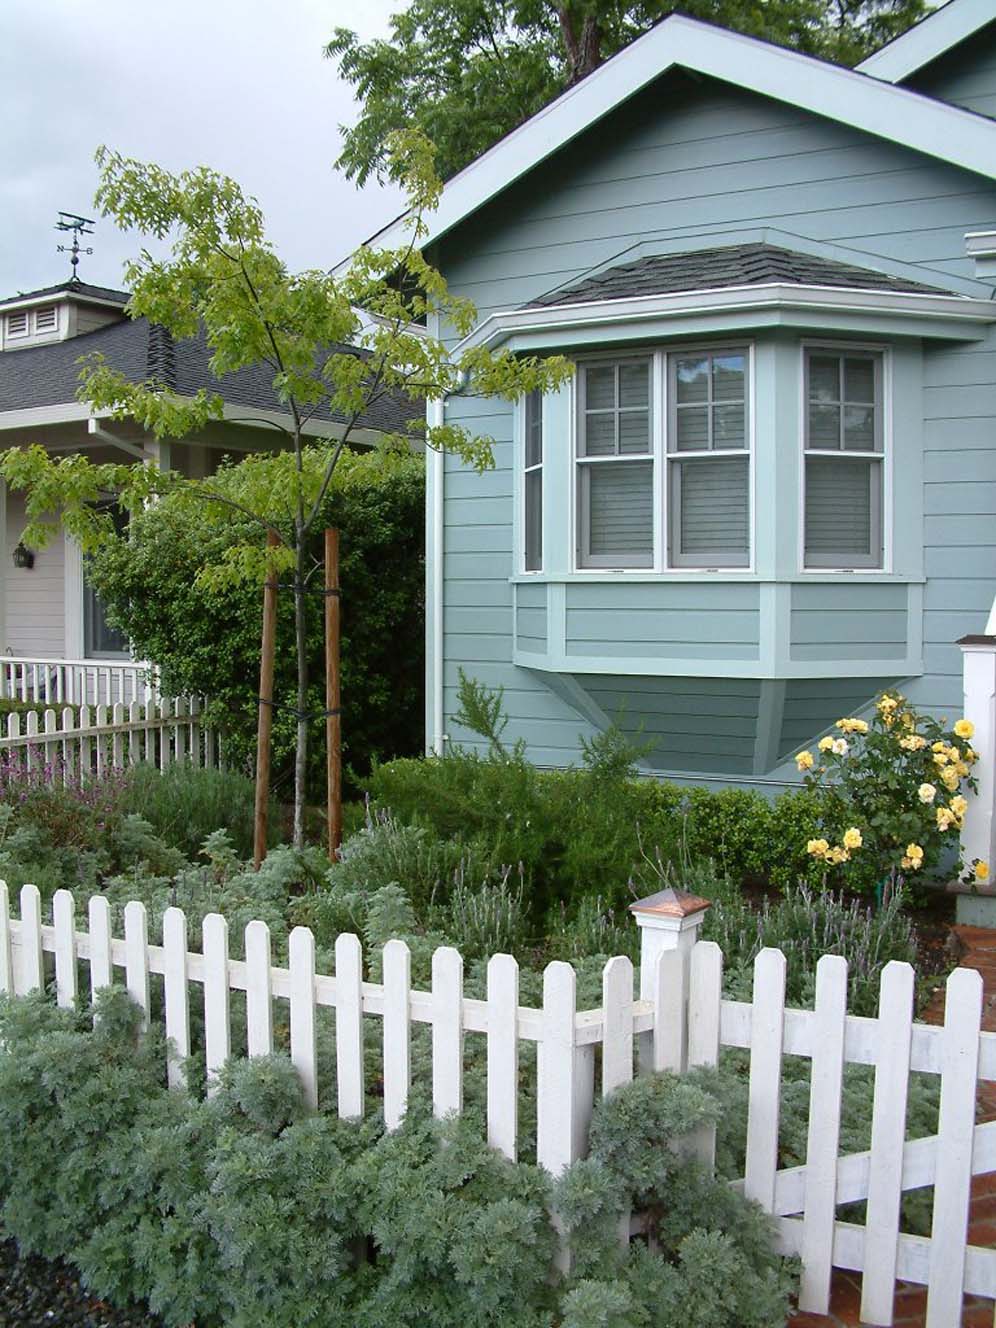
(47, 612)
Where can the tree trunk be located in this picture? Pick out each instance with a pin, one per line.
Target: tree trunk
(301, 645)
(582, 44)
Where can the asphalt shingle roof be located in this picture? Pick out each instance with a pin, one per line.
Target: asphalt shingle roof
(734, 265)
(48, 375)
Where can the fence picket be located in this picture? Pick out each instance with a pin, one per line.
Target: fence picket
(558, 1105)
(397, 1031)
(85, 747)
(194, 732)
(31, 751)
(503, 1054)
(217, 1021)
(447, 1031)
(6, 949)
(824, 1133)
(956, 1119)
(705, 995)
(349, 1026)
(136, 922)
(304, 1048)
(99, 924)
(764, 1092)
(259, 990)
(32, 974)
(16, 756)
(100, 721)
(885, 1179)
(180, 728)
(64, 918)
(617, 1037)
(134, 736)
(67, 747)
(117, 741)
(51, 723)
(177, 999)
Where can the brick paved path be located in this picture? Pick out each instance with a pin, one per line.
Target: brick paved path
(979, 952)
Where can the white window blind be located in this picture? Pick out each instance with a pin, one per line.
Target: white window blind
(533, 483)
(615, 472)
(708, 483)
(844, 457)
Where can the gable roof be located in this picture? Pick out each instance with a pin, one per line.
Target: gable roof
(925, 41)
(735, 265)
(844, 95)
(48, 375)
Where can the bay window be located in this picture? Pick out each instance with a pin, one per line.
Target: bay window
(844, 458)
(699, 439)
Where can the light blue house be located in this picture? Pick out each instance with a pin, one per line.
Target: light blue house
(770, 489)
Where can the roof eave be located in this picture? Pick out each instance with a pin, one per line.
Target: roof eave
(499, 327)
(927, 40)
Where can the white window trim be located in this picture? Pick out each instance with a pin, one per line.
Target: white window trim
(521, 471)
(659, 455)
(888, 452)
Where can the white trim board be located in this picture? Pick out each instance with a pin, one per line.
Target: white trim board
(935, 34)
(843, 95)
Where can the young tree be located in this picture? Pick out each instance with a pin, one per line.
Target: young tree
(223, 279)
(467, 72)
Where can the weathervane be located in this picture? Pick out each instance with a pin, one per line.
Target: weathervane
(69, 221)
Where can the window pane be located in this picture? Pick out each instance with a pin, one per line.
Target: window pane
(599, 435)
(859, 428)
(634, 431)
(600, 387)
(824, 378)
(692, 378)
(711, 518)
(729, 427)
(728, 377)
(692, 428)
(534, 521)
(859, 380)
(620, 497)
(842, 517)
(534, 429)
(634, 384)
(824, 427)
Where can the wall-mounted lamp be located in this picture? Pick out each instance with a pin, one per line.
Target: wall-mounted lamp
(23, 557)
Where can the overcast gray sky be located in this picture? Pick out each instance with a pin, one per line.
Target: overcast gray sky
(238, 85)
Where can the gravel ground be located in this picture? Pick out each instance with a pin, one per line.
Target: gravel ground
(37, 1294)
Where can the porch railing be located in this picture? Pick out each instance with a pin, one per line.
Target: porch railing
(76, 681)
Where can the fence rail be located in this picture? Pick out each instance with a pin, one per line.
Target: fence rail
(76, 681)
(681, 1021)
(79, 744)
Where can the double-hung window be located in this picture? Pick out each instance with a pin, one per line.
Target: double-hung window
(532, 485)
(844, 458)
(699, 445)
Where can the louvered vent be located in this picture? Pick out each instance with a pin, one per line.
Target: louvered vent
(17, 324)
(46, 318)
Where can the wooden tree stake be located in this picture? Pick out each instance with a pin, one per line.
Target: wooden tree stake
(265, 723)
(333, 719)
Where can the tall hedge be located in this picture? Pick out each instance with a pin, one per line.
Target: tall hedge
(207, 642)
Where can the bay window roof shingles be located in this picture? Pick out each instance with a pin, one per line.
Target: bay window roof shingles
(715, 269)
(48, 374)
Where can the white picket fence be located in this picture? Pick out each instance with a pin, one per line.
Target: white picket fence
(76, 681)
(78, 745)
(683, 1021)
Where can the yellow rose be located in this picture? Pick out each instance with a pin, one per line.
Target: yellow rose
(939, 746)
(852, 838)
(961, 769)
(817, 847)
(981, 870)
(946, 818)
(837, 855)
(926, 793)
(914, 857)
(964, 728)
(913, 742)
(971, 756)
(886, 702)
(825, 744)
(959, 805)
(852, 725)
(940, 759)
(804, 760)
(950, 779)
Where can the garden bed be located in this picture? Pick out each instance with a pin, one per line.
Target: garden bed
(40, 1293)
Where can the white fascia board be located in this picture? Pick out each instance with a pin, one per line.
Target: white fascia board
(34, 417)
(29, 302)
(843, 95)
(499, 327)
(928, 39)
